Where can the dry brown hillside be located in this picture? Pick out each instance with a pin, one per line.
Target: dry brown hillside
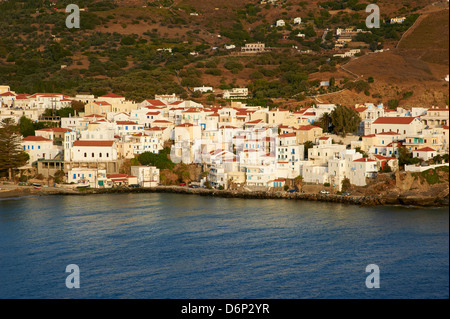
(419, 65)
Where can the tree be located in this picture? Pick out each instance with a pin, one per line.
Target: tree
(65, 112)
(345, 120)
(405, 157)
(12, 155)
(307, 145)
(59, 177)
(161, 160)
(26, 126)
(325, 122)
(78, 106)
(298, 182)
(346, 184)
(332, 82)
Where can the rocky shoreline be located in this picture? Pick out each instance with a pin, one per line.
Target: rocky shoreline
(439, 200)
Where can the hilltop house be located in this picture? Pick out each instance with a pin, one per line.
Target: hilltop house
(280, 23)
(254, 48)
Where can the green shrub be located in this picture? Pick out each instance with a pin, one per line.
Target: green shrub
(161, 160)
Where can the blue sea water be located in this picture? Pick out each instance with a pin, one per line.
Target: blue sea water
(183, 246)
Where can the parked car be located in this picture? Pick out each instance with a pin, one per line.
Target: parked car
(292, 191)
(135, 185)
(324, 192)
(182, 184)
(194, 186)
(345, 194)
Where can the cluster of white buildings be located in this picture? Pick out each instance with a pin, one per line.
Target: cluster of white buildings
(250, 146)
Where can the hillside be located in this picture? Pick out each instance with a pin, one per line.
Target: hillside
(122, 47)
(418, 65)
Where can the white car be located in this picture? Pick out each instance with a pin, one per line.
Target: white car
(324, 192)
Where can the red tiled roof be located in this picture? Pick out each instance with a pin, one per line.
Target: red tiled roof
(426, 149)
(364, 160)
(35, 139)
(254, 122)
(7, 94)
(191, 110)
(394, 120)
(101, 103)
(94, 115)
(126, 123)
(22, 96)
(324, 138)
(94, 143)
(185, 125)
(46, 94)
(151, 107)
(302, 110)
(156, 102)
(161, 121)
(360, 109)
(370, 135)
(156, 128)
(381, 157)
(306, 127)
(287, 135)
(394, 144)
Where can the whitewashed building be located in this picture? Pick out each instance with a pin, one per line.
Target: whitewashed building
(147, 176)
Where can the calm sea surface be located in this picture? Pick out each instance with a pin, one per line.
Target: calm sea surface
(184, 246)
